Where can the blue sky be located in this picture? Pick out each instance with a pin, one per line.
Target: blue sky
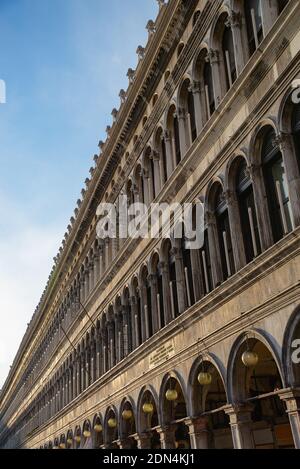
(63, 62)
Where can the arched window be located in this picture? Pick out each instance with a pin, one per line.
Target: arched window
(276, 186)
(223, 227)
(296, 131)
(191, 113)
(229, 57)
(173, 283)
(188, 273)
(177, 140)
(209, 90)
(138, 313)
(147, 303)
(245, 197)
(253, 14)
(160, 295)
(206, 274)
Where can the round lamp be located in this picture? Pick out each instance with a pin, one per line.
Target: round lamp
(171, 395)
(148, 408)
(127, 414)
(98, 428)
(112, 423)
(86, 434)
(250, 358)
(204, 378)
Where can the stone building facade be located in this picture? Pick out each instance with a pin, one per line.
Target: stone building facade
(143, 343)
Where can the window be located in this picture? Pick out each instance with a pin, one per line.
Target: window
(164, 160)
(253, 13)
(296, 131)
(191, 112)
(276, 187)
(176, 140)
(245, 196)
(206, 274)
(209, 91)
(173, 285)
(229, 57)
(221, 214)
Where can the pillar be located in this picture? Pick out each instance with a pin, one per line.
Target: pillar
(236, 235)
(199, 118)
(143, 440)
(199, 432)
(169, 153)
(163, 266)
(152, 279)
(292, 400)
(214, 249)
(241, 423)
(167, 437)
(182, 124)
(180, 280)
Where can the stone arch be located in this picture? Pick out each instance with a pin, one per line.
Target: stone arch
(127, 423)
(111, 433)
(97, 431)
(174, 408)
(87, 442)
(148, 417)
(291, 367)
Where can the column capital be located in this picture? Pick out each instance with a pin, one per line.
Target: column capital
(213, 56)
(239, 413)
(234, 20)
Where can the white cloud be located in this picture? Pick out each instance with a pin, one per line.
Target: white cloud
(25, 262)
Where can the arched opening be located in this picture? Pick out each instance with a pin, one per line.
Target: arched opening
(276, 185)
(146, 303)
(248, 219)
(228, 55)
(128, 426)
(209, 400)
(111, 337)
(291, 351)
(208, 89)
(62, 442)
(254, 22)
(154, 99)
(77, 437)
(187, 107)
(139, 185)
(174, 412)
(220, 211)
(205, 264)
(97, 433)
(111, 430)
(167, 74)
(138, 312)
(87, 442)
(256, 382)
(158, 281)
(70, 440)
(173, 129)
(170, 259)
(296, 131)
(160, 147)
(149, 173)
(149, 420)
(127, 322)
(188, 271)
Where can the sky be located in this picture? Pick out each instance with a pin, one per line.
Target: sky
(63, 63)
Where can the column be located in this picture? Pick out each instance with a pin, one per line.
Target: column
(180, 280)
(167, 436)
(83, 386)
(99, 368)
(199, 432)
(111, 344)
(124, 443)
(286, 145)
(292, 400)
(152, 279)
(196, 274)
(214, 249)
(91, 275)
(240, 423)
(235, 231)
(96, 268)
(101, 261)
(214, 59)
(157, 172)
(261, 206)
(163, 266)
(182, 124)
(134, 322)
(127, 346)
(239, 35)
(143, 440)
(169, 153)
(199, 118)
(269, 14)
(87, 281)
